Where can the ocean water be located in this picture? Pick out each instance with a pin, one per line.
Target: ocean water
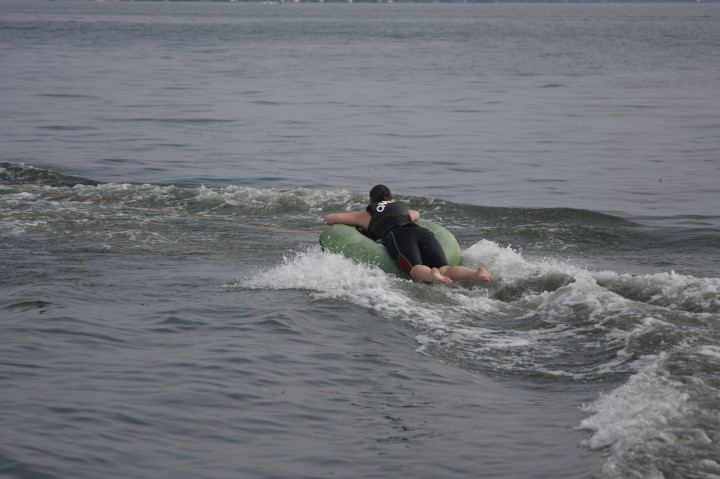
(166, 311)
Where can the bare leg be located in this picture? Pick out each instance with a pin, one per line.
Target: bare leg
(462, 273)
(421, 273)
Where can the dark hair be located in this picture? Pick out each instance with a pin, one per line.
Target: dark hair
(380, 193)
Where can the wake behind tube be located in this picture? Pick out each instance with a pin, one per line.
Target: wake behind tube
(349, 242)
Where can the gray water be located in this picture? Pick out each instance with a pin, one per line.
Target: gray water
(150, 330)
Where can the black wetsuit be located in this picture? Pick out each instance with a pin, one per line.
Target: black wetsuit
(407, 243)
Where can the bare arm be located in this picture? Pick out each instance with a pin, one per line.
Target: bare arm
(358, 218)
(353, 218)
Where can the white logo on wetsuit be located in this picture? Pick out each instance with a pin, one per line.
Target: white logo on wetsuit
(381, 206)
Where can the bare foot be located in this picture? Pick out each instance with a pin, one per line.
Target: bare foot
(439, 278)
(483, 274)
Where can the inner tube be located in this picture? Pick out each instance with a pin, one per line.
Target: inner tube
(351, 243)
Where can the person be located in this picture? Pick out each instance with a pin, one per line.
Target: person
(414, 248)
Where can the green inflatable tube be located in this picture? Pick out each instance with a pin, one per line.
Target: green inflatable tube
(349, 242)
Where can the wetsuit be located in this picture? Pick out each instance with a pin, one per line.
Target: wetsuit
(407, 243)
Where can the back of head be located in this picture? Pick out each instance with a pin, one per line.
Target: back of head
(380, 193)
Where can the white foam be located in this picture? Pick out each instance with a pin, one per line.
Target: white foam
(498, 259)
(710, 465)
(712, 352)
(636, 423)
(454, 320)
(330, 276)
(510, 263)
(466, 323)
(635, 415)
(670, 290)
(326, 275)
(245, 199)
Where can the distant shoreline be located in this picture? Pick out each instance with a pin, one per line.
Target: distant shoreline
(412, 1)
